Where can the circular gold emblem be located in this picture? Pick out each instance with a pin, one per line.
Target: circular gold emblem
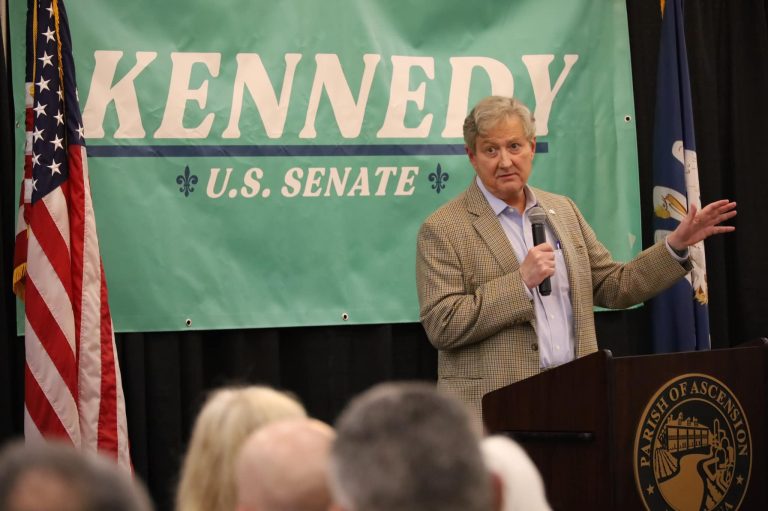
(693, 449)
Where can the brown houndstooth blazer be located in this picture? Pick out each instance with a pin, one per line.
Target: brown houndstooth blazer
(473, 302)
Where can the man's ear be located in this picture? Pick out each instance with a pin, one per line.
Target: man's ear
(336, 507)
(471, 155)
(497, 491)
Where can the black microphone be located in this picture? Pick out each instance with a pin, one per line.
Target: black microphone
(538, 218)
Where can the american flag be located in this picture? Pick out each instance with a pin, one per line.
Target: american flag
(72, 380)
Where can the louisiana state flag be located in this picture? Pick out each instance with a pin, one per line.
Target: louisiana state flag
(679, 315)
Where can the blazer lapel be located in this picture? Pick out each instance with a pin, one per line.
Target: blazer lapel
(490, 230)
(558, 229)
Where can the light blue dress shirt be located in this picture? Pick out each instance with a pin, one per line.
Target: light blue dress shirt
(554, 313)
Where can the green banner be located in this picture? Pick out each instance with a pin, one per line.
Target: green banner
(262, 164)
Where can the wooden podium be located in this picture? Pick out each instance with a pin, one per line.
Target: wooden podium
(677, 431)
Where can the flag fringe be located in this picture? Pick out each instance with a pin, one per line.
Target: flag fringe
(19, 274)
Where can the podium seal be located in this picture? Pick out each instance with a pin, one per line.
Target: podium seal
(693, 448)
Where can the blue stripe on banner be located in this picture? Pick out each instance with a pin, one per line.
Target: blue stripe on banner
(155, 151)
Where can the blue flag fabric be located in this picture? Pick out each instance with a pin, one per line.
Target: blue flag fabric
(680, 314)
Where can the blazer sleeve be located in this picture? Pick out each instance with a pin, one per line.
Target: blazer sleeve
(453, 313)
(619, 285)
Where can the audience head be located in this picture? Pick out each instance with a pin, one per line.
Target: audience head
(403, 447)
(284, 467)
(55, 477)
(521, 486)
(490, 111)
(225, 421)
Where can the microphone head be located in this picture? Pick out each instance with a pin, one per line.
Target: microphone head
(537, 215)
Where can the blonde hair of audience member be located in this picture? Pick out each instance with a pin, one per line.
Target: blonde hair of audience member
(227, 418)
(522, 488)
(284, 467)
(48, 476)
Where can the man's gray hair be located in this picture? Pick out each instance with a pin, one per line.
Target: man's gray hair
(404, 447)
(489, 111)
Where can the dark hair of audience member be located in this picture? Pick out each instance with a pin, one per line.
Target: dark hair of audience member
(49, 476)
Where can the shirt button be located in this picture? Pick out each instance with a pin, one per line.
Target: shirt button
(551, 316)
(535, 347)
(557, 348)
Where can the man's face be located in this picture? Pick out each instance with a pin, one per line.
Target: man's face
(503, 160)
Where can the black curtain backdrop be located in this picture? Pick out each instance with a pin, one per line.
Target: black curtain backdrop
(167, 375)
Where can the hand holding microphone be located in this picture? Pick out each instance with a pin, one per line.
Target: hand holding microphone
(539, 264)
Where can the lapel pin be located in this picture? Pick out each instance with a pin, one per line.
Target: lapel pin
(552, 212)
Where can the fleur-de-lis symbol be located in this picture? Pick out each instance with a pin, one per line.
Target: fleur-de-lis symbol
(439, 177)
(186, 181)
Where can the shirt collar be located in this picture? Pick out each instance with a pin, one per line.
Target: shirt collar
(499, 206)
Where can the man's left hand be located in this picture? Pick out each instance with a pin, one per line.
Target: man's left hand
(700, 225)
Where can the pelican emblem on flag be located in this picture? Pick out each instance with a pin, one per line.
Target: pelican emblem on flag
(669, 203)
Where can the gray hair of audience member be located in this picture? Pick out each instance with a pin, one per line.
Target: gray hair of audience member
(55, 477)
(491, 110)
(228, 416)
(404, 447)
(522, 486)
(284, 467)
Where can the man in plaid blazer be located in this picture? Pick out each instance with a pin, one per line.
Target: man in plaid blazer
(477, 270)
